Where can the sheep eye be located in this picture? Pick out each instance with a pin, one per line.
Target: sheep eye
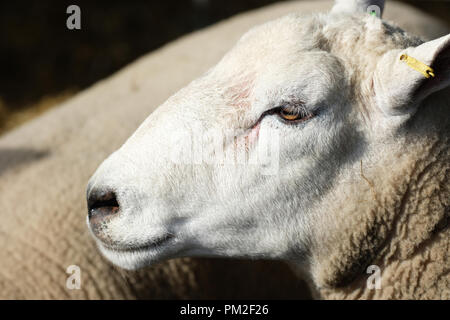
(293, 114)
(289, 115)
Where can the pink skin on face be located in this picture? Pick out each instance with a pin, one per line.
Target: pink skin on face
(252, 137)
(238, 96)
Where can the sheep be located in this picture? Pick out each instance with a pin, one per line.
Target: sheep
(354, 112)
(44, 166)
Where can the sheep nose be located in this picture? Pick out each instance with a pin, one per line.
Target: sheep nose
(102, 205)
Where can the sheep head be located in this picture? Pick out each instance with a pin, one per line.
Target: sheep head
(254, 158)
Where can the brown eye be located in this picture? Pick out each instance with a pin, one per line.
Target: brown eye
(293, 114)
(289, 115)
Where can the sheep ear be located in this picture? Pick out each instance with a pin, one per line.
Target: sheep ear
(374, 7)
(404, 78)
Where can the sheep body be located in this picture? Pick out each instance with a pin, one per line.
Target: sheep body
(401, 225)
(399, 222)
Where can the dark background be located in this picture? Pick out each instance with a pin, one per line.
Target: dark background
(42, 62)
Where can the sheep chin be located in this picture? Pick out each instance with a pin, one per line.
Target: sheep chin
(130, 258)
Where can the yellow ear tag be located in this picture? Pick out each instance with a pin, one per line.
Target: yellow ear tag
(417, 65)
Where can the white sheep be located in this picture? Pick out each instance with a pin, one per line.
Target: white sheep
(44, 166)
(358, 165)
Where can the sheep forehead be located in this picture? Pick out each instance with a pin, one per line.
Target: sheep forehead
(349, 37)
(274, 42)
(292, 34)
(269, 48)
(273, 47)
(267, 56)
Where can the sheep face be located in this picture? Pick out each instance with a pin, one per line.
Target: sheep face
(237, 163)
(226, 166)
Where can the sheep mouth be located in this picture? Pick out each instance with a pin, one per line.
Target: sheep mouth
(158, 242)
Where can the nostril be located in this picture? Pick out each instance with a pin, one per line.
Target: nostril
(107, 200)
(102, 203)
